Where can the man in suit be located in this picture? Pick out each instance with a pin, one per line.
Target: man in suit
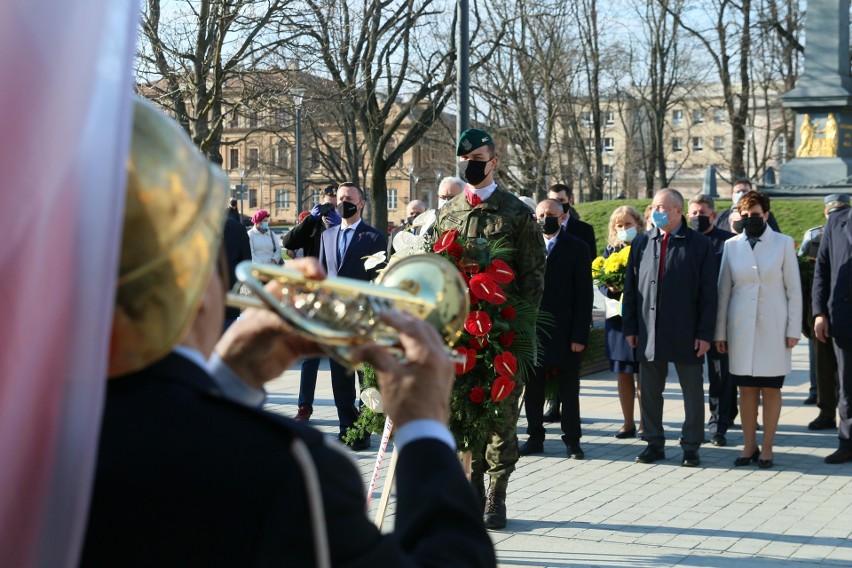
(187, 477)
(342, 253)
(832, 308)
(568, 298)
(414, 208)
(669, 314)
(724, 221)
(723, 392)
(307, 236)
(237, 249)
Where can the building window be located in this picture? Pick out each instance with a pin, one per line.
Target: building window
(284, 155)
(697, 143)
(315, 196)
(609, 144)
(235, 158)
(718, 116)
(606, 172)
(282, 199)
(391, 200)
(677, 144)
(718, 143)
(235, 120)
(253, 120)
(590, 144)
(586, 118)
(697, 116)
(252, 199)
(253, 158)
(315, 158)
(608, 117)
(677, 116)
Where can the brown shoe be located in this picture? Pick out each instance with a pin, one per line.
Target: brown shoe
(304, 413)
(840, 456)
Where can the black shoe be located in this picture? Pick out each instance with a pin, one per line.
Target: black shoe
(623, 434)
(650, 455)
(691, 459)
(822, 423)
(840, 456)
(495, 510)
(552, 414)
(719, 440)
(811, 400)
(360, 444)
(747, 460)
(764, 464)
(532, 447)
(575, 452)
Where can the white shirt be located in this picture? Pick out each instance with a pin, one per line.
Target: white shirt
(483, 192)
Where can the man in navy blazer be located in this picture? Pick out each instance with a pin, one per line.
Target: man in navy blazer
(342, 253)
(568, 298)
(832, 307)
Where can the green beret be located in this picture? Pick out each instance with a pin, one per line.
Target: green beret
(471, 139)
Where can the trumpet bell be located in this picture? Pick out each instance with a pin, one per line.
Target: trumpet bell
(341, 313)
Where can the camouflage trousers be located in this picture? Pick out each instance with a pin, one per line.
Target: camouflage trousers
(498, 458)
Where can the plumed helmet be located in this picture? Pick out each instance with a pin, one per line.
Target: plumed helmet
(173, 223)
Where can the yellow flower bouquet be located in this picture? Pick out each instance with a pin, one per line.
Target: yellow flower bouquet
(610, 271)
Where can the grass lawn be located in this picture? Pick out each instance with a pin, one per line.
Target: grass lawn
(794, 216)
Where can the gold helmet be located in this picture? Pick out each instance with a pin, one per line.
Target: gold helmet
(173, 218)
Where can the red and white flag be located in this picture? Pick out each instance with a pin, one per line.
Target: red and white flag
(65, 95)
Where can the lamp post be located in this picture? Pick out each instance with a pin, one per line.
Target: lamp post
(297, 99)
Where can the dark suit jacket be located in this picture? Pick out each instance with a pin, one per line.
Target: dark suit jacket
(187, 478)
(669, 316)
(585, 233)
(568, 298)
(832, 291)
(364, 242)
(237, 249)
(306, 235)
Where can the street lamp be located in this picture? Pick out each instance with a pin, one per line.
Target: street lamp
(297, 99)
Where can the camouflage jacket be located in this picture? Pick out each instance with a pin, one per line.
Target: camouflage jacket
(503, 215)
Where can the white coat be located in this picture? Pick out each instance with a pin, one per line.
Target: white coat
(265, 248)
(760, 304)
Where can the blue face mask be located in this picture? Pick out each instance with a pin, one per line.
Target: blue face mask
(264, 225)
(736, 197)
(627, 235)
(659, 218)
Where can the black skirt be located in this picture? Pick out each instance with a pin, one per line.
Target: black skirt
(759, 382)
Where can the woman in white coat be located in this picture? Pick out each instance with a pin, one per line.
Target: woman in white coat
(265, 248)
(759, 320)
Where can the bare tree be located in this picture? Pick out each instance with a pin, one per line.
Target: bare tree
(192, 51)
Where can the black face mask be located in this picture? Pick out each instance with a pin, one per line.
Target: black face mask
(700, 223)
(473, 171)
(737, 226)
(549, 225)
(347, 210)
(753, 226)
(566, 207)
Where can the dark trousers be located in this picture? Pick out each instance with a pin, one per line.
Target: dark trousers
(308, 381)
(568, 380)
(827, 379)
(343, 388)
(722, 388)
(843, 351)
(652, 383)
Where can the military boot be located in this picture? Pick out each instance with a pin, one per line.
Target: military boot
(495, 509)
(478, 482)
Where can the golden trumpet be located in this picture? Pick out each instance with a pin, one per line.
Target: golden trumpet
(340, 313)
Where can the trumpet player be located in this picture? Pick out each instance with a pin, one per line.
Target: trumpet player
(188, 477)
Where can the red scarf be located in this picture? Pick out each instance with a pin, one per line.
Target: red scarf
(471, 197)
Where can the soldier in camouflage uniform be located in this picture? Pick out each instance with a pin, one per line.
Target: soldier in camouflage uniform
(485, 210)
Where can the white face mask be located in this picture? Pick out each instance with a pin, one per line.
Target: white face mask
(442, 202)
(626, 235)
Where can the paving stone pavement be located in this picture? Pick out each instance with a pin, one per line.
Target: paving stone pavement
(607, 510)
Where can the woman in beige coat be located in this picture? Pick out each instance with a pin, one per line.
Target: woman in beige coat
(759, 320)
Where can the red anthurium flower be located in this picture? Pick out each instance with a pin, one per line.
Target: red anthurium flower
(483, 286)
(508, 313)
(498, 297)
(505, 364)
(469, 360)
(447, 238)
(477, 395)
(501, 388)
(455, 250)
(500, 271)
(477, 323)
(479, 342)
(507, 339)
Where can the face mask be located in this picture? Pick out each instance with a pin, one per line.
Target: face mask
(659, 218)
(700, 223)
(753, 226)
(549, 225)
(347, 210)
(737, 226)
(442, 202)
(736, 197)
(264, 225)
(626, 235)
(566, 207)
(473, 171)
